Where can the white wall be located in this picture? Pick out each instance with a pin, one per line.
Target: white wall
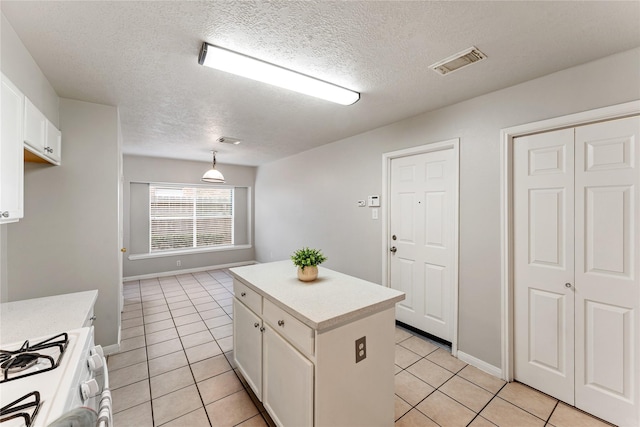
(310, 199)
(68, 239)
(19, 66)
(158, 170)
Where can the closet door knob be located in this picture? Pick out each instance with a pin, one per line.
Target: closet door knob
(567, 285)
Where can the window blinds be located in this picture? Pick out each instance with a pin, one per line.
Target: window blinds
(190, 217)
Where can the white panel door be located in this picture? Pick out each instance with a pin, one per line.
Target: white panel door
(576, 263)
(607, 289)
(543, 231)
(422, 226)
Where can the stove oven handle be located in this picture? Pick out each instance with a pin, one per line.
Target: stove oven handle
(105, 412)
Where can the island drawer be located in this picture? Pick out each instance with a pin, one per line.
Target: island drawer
(248, 297)
(299, 334)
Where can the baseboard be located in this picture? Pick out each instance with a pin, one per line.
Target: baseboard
(480, 364)
(111, 349)
(187, 271)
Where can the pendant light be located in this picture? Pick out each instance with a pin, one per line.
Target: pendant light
(213, 175)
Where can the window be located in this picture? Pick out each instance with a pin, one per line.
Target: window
(190, 217)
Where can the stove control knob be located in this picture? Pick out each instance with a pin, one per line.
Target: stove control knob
(97, 350)
(95, 362)
(89, 389)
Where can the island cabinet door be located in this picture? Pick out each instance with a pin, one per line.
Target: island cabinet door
(247, 345)
(288, 382)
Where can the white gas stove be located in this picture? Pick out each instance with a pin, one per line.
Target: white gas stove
(45, 378)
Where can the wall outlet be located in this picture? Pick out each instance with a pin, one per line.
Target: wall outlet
(179, 263)
(361, 349)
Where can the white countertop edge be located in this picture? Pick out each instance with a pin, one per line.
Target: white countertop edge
(333, 322)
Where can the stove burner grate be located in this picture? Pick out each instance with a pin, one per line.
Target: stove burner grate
(13, 362)
(17, 409)
(21, 362)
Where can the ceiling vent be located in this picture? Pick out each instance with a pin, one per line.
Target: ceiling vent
(228, 140)
(459, 60)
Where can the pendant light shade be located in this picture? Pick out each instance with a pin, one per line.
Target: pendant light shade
(213, 175)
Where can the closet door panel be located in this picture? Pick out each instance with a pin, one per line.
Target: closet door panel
(543, 226)
(607, 289)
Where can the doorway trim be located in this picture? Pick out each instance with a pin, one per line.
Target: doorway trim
(453, 144)
(507, 135)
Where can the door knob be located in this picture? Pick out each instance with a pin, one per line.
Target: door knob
(123, 250)
(393, 249)
(567, 285)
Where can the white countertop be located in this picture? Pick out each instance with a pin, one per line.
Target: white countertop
(333, 299)
(38, 317)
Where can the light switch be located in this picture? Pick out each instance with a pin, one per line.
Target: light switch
(374, 201)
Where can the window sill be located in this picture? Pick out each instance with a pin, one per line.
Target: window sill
(134, 257)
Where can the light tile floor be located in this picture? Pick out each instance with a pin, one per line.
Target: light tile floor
(176, 369)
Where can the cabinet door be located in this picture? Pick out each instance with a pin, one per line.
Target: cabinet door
(247, 345)
(11, 153)
(288, 382)
(35, 126)
(53, 143)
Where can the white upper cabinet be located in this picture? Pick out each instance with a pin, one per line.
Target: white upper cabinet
(35, 126)
(41, 137)
(53, 143)
(11, 153)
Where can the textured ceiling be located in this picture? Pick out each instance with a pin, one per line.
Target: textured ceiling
(142, 57)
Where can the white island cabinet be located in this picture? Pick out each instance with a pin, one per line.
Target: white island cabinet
(319, 353)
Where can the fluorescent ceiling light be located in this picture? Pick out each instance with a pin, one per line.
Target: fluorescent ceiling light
(255, 69)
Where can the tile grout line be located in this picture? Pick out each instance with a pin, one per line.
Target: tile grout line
(204, 407)
(213, 340)
(455, 374)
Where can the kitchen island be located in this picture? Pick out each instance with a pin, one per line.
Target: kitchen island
(318, 353)
(45, 316)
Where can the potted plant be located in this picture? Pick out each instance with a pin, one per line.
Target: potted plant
(307, 261)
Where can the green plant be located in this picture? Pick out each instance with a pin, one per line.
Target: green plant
(306, 257)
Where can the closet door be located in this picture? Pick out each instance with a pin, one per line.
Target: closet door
(576, 265)
(543, 262)
(607, 295)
